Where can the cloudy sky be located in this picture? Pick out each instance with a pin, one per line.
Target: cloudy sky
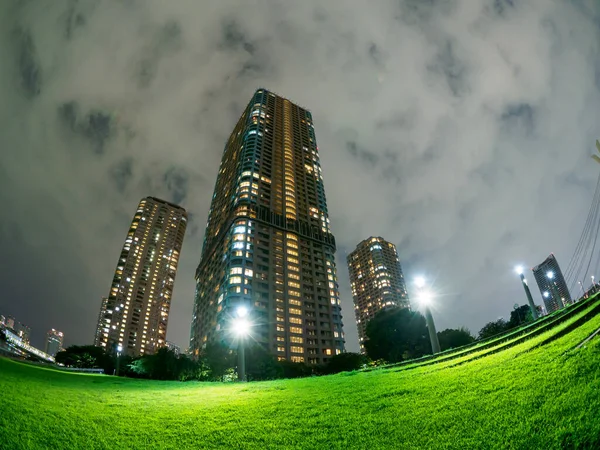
(460, 130)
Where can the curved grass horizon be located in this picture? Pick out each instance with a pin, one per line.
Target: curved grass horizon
(526, 396)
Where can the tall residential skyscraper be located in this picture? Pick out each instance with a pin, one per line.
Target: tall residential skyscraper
(552, 287)
(54, 342)
(101, 324)
(377, 281)
(268, 244)
(135, 315)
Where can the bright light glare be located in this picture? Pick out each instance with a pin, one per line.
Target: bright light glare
(519, 270)
(419, 282)
(546, 294)
(550, 274)
(241, 326)
(426, 298)
(242, 311)
(120, 348)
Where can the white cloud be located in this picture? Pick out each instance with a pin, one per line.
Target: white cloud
(408, 100)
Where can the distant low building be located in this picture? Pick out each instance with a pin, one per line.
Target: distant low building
(21, 330)
(54, 342)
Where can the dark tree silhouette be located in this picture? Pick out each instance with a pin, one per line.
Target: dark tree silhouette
(397, 334)
(451, 338)
(492, 328)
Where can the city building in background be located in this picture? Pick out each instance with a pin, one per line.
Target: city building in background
(553, 288)
(134, 317)
(377, 281)
(54, 342)
(173, 347)
(19, 329)
(268, 244)
(101, 324)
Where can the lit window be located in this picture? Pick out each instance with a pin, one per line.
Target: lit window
(296, 330)
(296, 311)
(296, 320)
(296, 339)
(296, 349)
(235, 280)
(235, 271)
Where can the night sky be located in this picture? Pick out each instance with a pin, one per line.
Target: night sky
(459, 130)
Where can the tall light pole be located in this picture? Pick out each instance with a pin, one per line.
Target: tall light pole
(425, 298)
(534, 313)
(555, 293)
(119, 350)
(241, 327)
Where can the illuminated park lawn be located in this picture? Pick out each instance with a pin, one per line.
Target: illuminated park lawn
(522, 397)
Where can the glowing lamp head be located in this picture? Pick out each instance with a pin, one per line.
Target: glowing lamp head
(546, 294)
(241, 326)
(519, 270)
(119, 348)
(426, 298)
(241, 311)
(420, 282)
(550, 275)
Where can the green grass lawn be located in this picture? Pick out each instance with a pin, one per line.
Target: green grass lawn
(527, 396)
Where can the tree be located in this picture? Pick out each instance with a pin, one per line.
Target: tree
(397, 334)
(520, 316)
(83, 356)
(492, 328)
(220, 360)
(344, 362)
(261, 365)
(165, 364)
(295, 369)
(451, 338)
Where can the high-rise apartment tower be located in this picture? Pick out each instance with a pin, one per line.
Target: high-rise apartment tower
(133, 319)
(377, 281)
(552, 284)
(268, 245)
(54, 342)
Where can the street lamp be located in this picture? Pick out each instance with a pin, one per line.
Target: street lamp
(425, 299)
(555, 293)
(241, 327)
(119, 350)
(534, 314)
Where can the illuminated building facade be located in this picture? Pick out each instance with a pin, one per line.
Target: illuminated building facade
(54, 342)
(377, 281)
(21, 330)
(135, 314)
(101, 325)
(268, 245)
(552, 288)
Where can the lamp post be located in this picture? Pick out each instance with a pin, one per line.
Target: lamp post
(241, 327)
(534, 313)
(555, 293)
(425, 298)
(119, 350)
